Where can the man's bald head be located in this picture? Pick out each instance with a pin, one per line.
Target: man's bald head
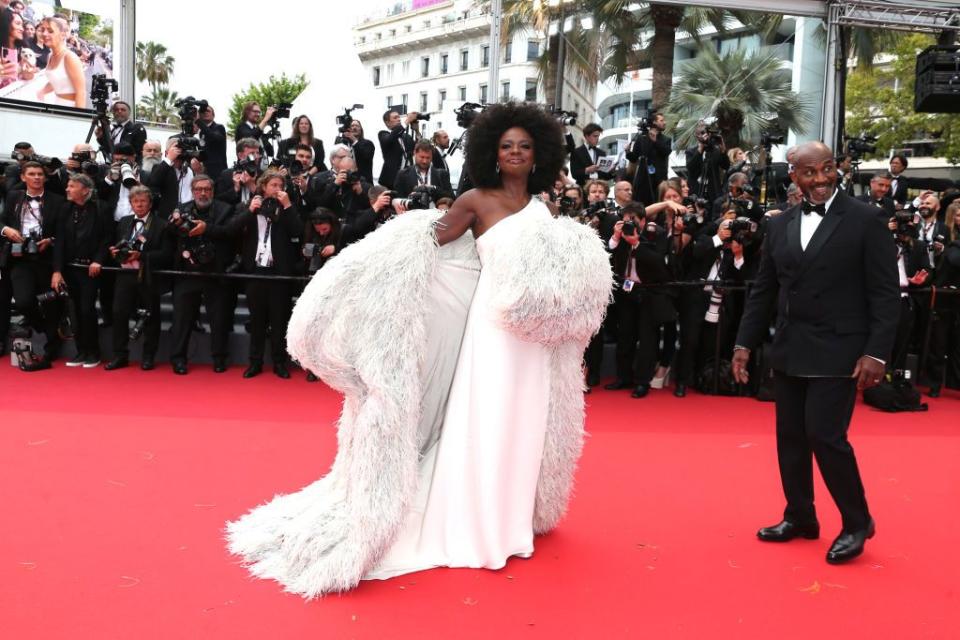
(814, 170)
(816, 151)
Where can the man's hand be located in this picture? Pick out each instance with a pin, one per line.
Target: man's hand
(618, 230)
(341, 178)
(399, 207)
(741, 357)
(196, 166)
(72, 164)
(328, 251)
(94, 269)
(869, 372)
(56, 281)
(134, 255)
(591, 169)
(411, 117)
(255, 203)
(198, 229)
(892, 224)
(357, 188)
(724, 232)
(238, 180)
(44, 244)
(173, 153)
(676, 208)
(284, 199)
(12, 234)
(919, 277)
(382, 201)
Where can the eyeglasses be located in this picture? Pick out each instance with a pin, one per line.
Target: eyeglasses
(203, 189)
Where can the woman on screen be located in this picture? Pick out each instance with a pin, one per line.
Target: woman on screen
(65, 80)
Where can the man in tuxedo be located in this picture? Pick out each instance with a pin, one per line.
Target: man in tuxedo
(341, 190)
(441, 143)
(829, 268)
(899, 183)
(396, 145)
(143, 236)
(213, 140)
(32, 213)
(707, 163)
(171, 179)
(423, 173)
(651, 153)
(879, 188)
(583, 160)
(123, 129)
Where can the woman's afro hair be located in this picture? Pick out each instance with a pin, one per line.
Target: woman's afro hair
(549, 149)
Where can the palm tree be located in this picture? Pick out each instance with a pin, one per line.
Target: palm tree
(153, 64)
(749, 93)
(158, 106)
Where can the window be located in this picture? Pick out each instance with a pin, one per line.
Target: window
(505, 90)
(533, 50)
(393, 32)
(508, 53)
(483, 94)
(423, 102)
(530, 94)
(441, 98)
(377, 35)
(376, 76)
(389, 101)
(390, 72)
(403, 99)
(424, 67)
(363, 39)
(443, 63)
(461, 93)
(405, 68)
(485, 56)
(464, 59)
(408, 28)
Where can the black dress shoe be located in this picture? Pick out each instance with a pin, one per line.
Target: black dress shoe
(254, 369)
(281, 371)
(593, 379)
(180, 368)
(680, 390)
(147, 363)
(116, 363)
(617, 385)
(934, 391)
(640, 391)
(311, 377)
(848, 545)
(219, 365)
(786, 531)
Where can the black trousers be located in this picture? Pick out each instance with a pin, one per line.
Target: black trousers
(637, 338)
(108, 280)
(813, 416)
(270, 306)
(129, 295)
(28, 278)
(593, 357)
(691, 305)
(83, 291)
(901, 344)
(6, 298)
(187, 295)
(943, 362)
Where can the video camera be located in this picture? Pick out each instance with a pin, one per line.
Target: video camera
(859, 145)
(711, 126)
(467, 113)
(249, 165)
(126, 247)
(742, 229)
(644, 123)
(421, 197)
(346, 120)
(101, 89)
(186, 141)
(565, 118)
(280, 110)
(908, 225)
(768, 139)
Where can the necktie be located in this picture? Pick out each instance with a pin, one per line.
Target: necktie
(809, 207)
(34, 198)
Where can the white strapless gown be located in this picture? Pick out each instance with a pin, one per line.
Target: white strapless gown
(475, 502)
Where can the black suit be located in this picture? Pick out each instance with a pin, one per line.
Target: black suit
(898, 189)
(705, 171)
(363, 151)
(246, 130)
(213, 138)
(836, 301)
(133, 133)
(580, 160)
(408, 179)
(648, 153)
(287, 148)
(395, 147)
(30, 275)
(164, 181)
(885, 207)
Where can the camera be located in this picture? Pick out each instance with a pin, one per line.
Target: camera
(467, 113)
(699, 203)
(691, 223)
(857, 146)
(189, 146)
(87, 165)
(907, 224)
(182, 222)
(29, 247)
(314, 252)
(346, 120)
(128, 176)
(629, 228)
(420, 198)
(742, 229)
(269, 209)
(565, 118)
(566, 204)
(711, 129)
(143, 317)
(48, 162)
(644, 124)
(101, 88)
(249, 165)
(126, 247)
(422, 117)
(281, 110)
(52, 296)
(770, 139)
(352, 178)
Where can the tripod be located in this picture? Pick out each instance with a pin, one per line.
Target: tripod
(100, 120)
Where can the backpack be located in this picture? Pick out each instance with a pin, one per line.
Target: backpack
(893, 396)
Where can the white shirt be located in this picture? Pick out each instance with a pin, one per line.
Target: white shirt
(264, 245)
(185, 178)
(138, 227)
(631, 263)
(117, 132)
(32, 220)
(810, 221)
(902, 268)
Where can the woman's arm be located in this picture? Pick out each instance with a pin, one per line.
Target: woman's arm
(75, 73)
(460, 217)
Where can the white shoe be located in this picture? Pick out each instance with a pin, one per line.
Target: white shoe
(77, 361)
(91, 363)
(660, 381)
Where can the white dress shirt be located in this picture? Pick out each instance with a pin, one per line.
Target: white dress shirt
(810, 221)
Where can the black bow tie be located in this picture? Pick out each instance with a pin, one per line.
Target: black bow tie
(34, 198)
(809, 207)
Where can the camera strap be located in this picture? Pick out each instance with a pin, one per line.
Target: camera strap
(264, 253)
(27, 209)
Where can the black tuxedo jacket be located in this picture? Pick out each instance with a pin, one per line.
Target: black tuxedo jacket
(899, 194)
(646, 152)
(580, 160)
(50, 211)
(214, 139)
(284, 240)
(245, 130)
(288, 148)
(885, 208)
(650, 264)
(219, 218)
(133, 133)
(836, 301)
(83, 233)
(407, 180)
(395, 145)
(158, 246)
(165, 184)
(322, 191)
(439, 160)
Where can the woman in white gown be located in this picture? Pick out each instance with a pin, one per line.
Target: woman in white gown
(65, 84)
(460, 459)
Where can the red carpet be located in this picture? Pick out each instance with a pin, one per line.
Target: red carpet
(116, 487)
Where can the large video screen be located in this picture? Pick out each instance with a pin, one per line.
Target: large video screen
(49, 54)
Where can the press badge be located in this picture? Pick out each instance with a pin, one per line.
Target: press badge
(628, 286)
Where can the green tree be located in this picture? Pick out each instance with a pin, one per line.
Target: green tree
(879, 102)
(158, 106)
(748, 93)
(273, 91)
(153, 64)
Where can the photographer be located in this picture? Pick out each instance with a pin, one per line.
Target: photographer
(83, 159)
(600, 213)
(171, 179)
(83, 235)
(649, 151)
(396, 145)
(29, 225)
(22, 153)
(321, 240)
(441, 148)
(422, 173)
(213, 141)
(845, 173)
(707, 162)
(302, 134)
(943, 363)
(739, 197)
(269, 230)
(238, 184)
(204, 244)
(913, 264)
(341, 190)
(879, 195)
(899, 183)
(252, 125)
(123, 129)
(362, 149)
(584, 159)
(639, 257)
(140, 242)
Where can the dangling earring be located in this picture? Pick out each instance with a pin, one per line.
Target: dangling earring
(498, 167)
